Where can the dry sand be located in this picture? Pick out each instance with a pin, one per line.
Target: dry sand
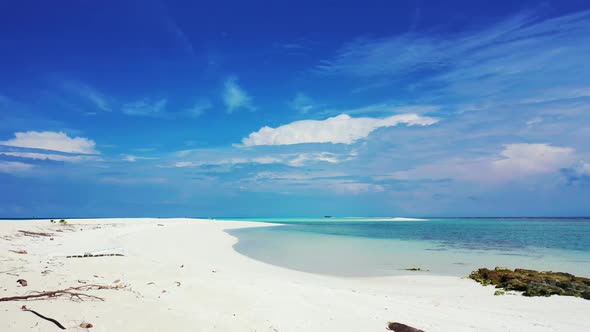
(183, 275)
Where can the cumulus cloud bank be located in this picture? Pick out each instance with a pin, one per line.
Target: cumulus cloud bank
(55, 141)
(339, 129)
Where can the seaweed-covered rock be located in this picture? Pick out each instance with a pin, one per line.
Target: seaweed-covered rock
(534, 283)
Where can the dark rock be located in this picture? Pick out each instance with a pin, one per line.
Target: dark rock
(534, 283)
(399, 327)
(542, 289)
(414, 269)
(85, 325)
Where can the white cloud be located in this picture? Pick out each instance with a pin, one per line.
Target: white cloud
(55, 141)
(50, 156)
(14, 167)
(234, 97)
(302, 103)
(339, 129)
(146, 107)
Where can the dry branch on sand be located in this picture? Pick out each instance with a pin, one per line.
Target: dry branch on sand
(20, 251)
(24, 308)
(73, 293)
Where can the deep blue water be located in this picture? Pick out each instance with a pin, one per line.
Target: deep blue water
(556, 244)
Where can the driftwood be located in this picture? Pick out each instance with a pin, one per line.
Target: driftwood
(92, 255)
(399, 327)
(73, 293)
(24, 308)
(35, 234)
(20, 251)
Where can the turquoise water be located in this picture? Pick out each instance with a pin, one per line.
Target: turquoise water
(377, 247)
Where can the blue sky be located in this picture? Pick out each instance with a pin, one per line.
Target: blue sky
(233, 108)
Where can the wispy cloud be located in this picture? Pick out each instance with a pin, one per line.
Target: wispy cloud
(579, 173)
(90, 94)
(132, 158)
(132, 180)
(509, 60)
(531, 159)
(302, 103)
(146, 107)
(380, 109)
(14, 167)
(198, 108)
(51, 156)
(201, 158)
(356, 187)
(54, 141)
(234, 97)
(514, 162)
(160, 109)
(339, 129)
(318, 180)
(179, 35)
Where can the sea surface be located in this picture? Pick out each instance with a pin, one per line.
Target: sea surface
(389, 246)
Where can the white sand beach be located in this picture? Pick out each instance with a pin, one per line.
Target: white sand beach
(183, 275)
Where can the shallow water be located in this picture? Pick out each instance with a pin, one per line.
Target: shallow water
(365, 247)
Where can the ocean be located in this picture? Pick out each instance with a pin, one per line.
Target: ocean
(368, 247)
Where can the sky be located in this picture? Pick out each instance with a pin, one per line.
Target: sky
(281, 108)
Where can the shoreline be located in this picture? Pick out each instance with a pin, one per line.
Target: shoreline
(184, 275)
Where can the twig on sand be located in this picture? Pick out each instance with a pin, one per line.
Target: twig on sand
(35, 234)
(7, 271)
(399, 327)
(24, 308)
(92, 255)
(20, 251)
(73, 293)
